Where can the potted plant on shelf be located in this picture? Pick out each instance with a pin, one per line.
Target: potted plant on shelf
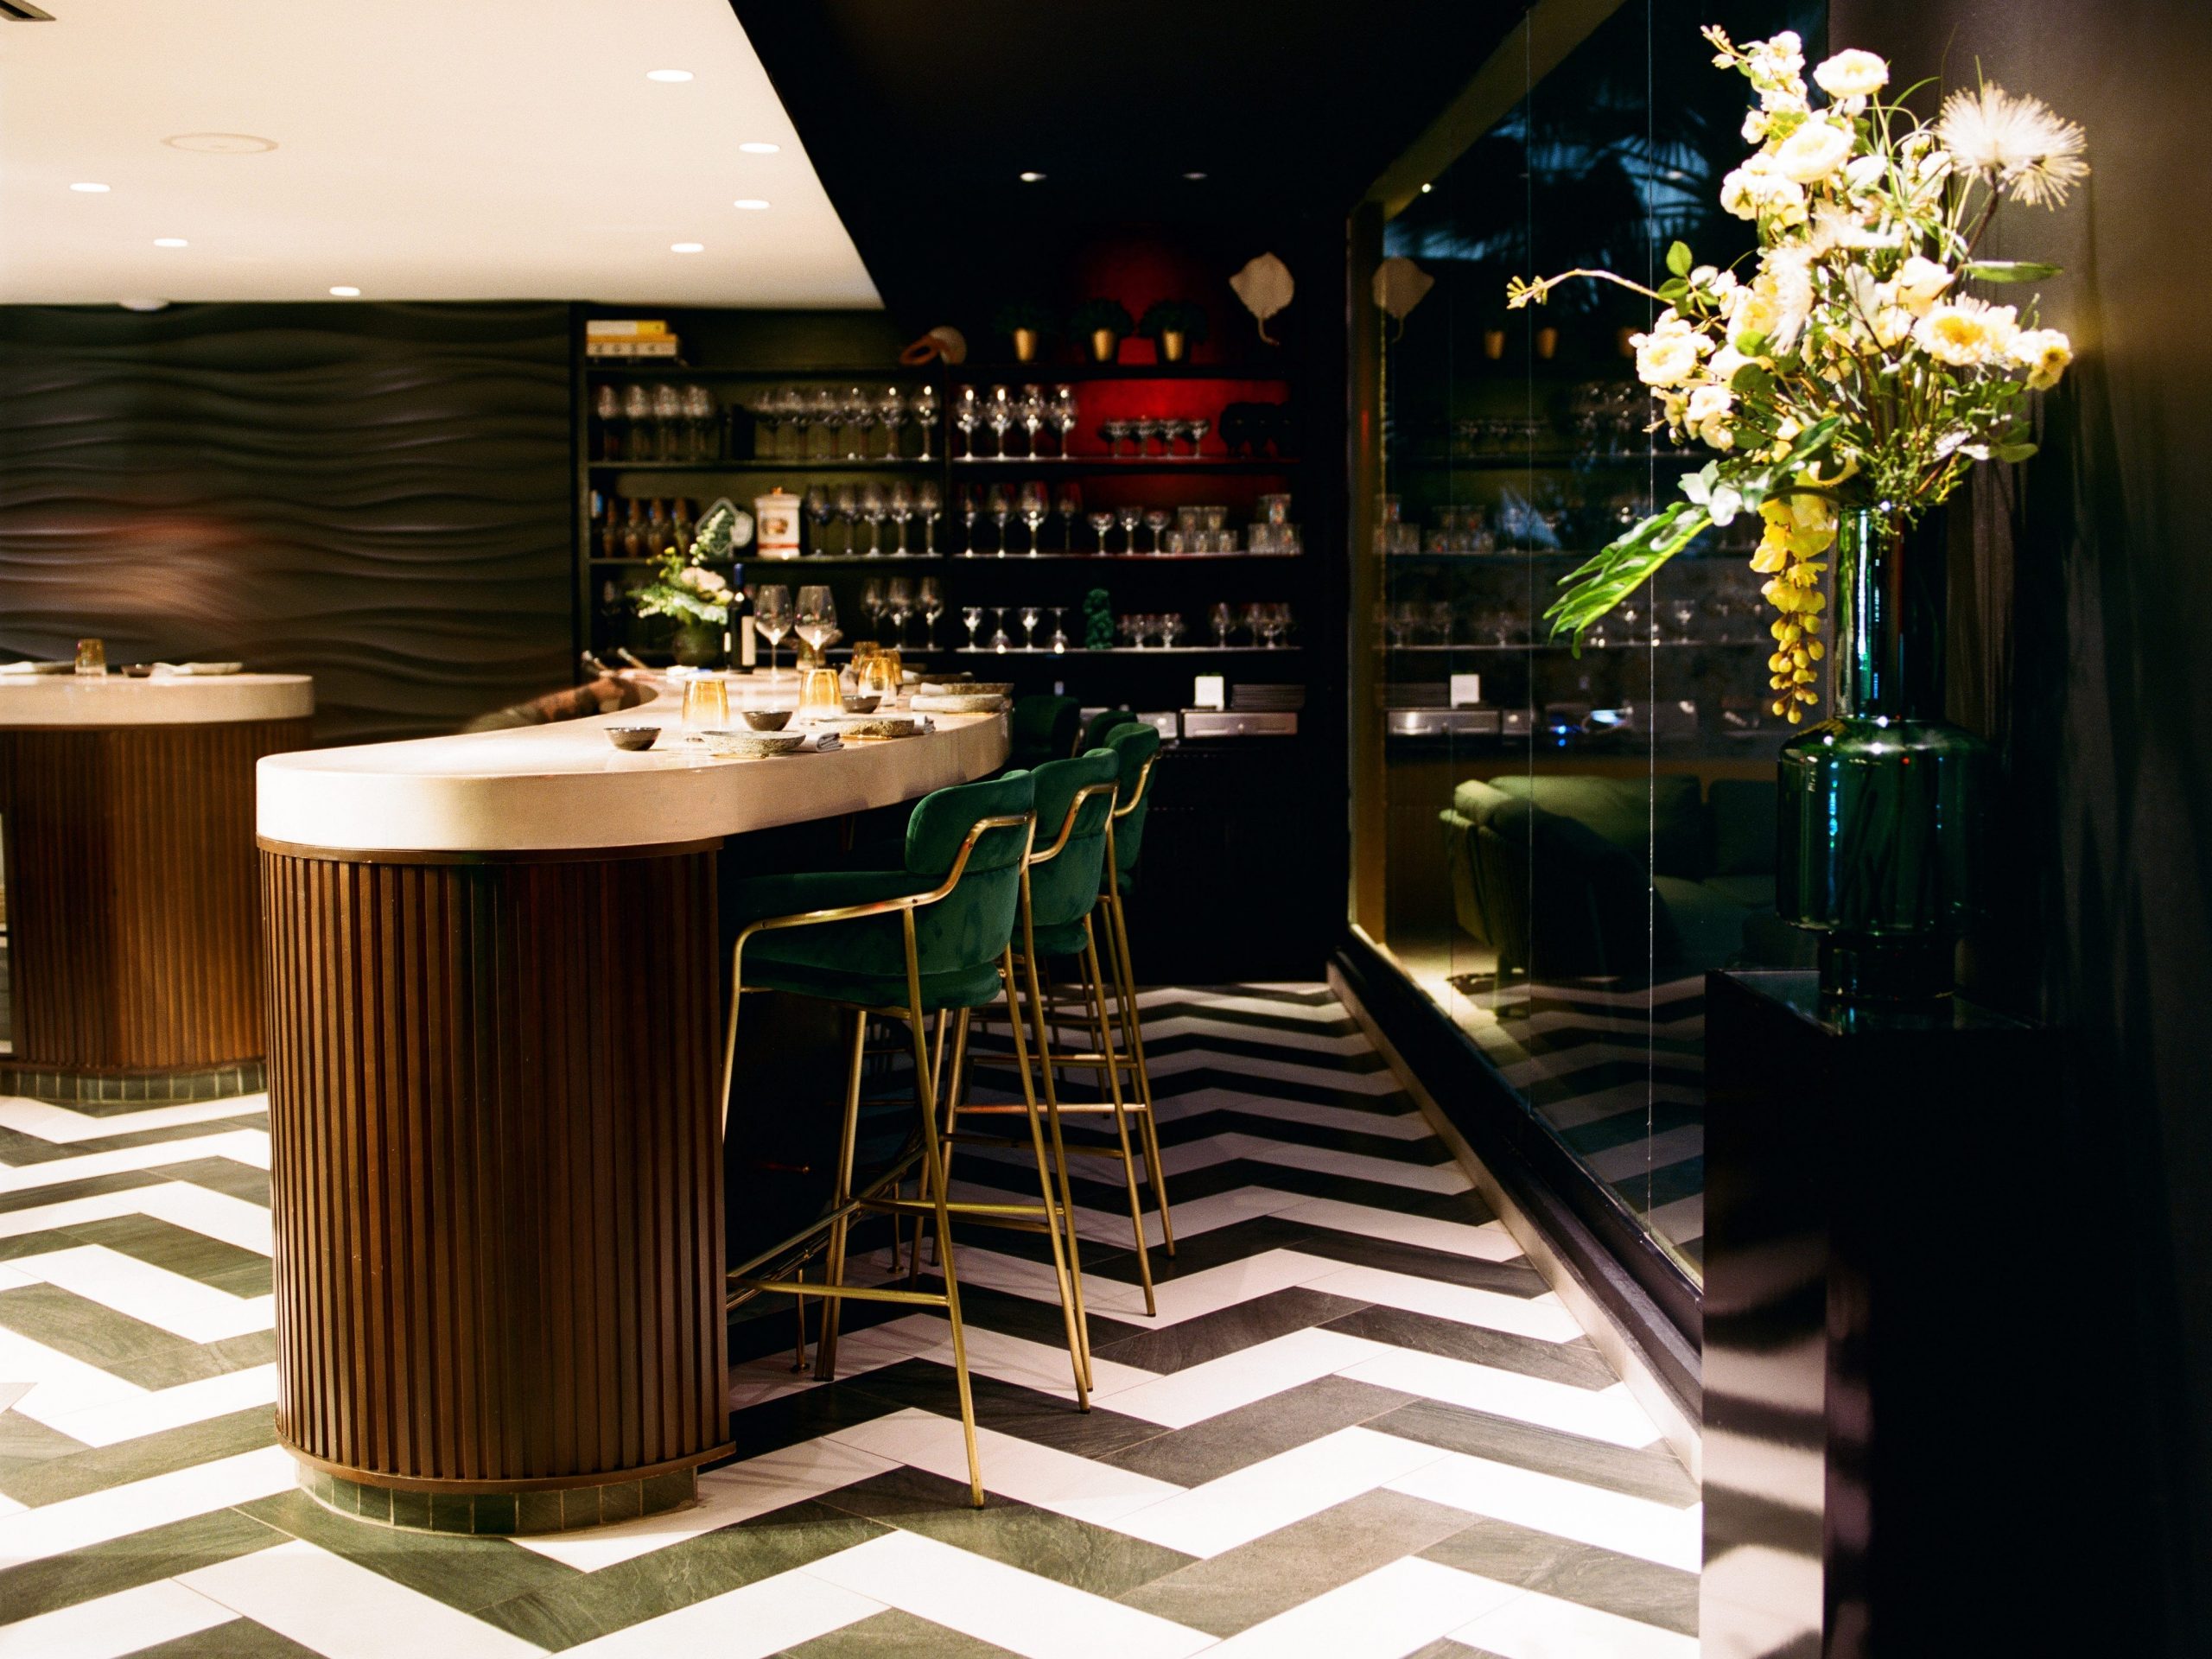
(694, 597)
(1847, 386)
(1173, 326)
(1103, 323)
(1026, 322)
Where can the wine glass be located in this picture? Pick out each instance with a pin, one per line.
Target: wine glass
(1155, 520)
(931, 600)
(873, 602)
(796, 412)
(1059, 629)
(1061, 411)
(968, 498)
(872, 509)
(1069, 504)
(1100, 522)
(999, 641)
(1130, 515)
(929, 502)
(998, 415)
(899, 598)
(899, 504)
(1029, 616)
(1031, 407)
(1224, 620)
(817, 510)
(973, 616)
(848, 509)
(860, 415)
(891, 415)
(925, 417)
(766, 410)
(828, 410)
(967, 415)
(771, 617)
(1000, 507)
(1035, 504)
(815, 618)
(667, 418)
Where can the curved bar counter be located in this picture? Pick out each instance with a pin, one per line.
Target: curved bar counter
(126, 813)
(495, 1010)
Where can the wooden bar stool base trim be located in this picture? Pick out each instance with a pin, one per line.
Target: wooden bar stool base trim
(67, 1086)
(502, 1508)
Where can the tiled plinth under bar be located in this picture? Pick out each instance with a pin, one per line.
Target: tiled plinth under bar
(502, 1515)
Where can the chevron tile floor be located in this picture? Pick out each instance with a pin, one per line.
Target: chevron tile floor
(1358, 1428)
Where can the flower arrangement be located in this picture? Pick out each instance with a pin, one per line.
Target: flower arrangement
(681, 587)
(1852, 365)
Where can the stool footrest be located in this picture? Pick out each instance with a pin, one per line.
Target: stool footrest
(855, 1293)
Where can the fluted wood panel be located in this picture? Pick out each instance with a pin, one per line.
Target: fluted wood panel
(497, 1173)
(132, 898)
(377, 495)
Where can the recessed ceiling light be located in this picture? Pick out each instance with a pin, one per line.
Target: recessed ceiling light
(687, 247)
(1033, 178)
(751, 203)
(170, 241)
(90, 189)
(221, 144)
(667, 74)
(142, 305)
(343, 292)
(1194, 177)
(1426, 189)
(759, 147)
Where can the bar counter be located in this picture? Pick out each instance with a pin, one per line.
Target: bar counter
(494, 968)
(126, 813)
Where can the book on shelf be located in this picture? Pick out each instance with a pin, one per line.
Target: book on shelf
(663, 347)
(626, 328)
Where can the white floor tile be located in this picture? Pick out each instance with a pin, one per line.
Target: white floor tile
(1348, 1045)
(202, 1209)
(60, 1383)
(1021, 1611)
(62, 1127)
(727, 1496)
(761, 1618)
(1632, 1158)
(1324, 1013)
(1542, 1317)
(109, 1626)
(1221, 1148)
(71, 1212)
(1198, 1392)
(240, 1146)
(170, 1301)
(1533, 1626)
(1393, 1611)
(990, 1353)
(1608, 1413)
(152, 1410)
(1340, 1078)
(1565, 1509)
(1039, 1476)
(1488, 1241)
(1264, 1497)
(51, 1529)
(1397, 1126)
(344, 1611)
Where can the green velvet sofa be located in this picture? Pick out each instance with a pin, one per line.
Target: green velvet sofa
(1572, 876)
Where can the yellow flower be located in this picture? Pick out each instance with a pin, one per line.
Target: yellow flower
(1921, 283)
(2044, 353)
(1966, 333)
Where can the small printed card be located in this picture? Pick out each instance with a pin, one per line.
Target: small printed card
(1466, 691)
(1210, 691)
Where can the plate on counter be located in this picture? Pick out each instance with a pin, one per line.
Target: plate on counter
(877, 728)
(752, 746)
(960, 702)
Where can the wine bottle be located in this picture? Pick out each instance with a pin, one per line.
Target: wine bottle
(739, 641)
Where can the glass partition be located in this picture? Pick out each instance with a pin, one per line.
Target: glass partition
(1566, 840)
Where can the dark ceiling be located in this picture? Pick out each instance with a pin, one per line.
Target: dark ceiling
(920, 118)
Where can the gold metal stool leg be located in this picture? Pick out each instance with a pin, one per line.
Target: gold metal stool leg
(1112, 1069)
(825, 1350)
(1078, 1321)
(1133, 1029)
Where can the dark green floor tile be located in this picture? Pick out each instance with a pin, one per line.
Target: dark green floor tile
(536, 1512)
(19, 1150)
(1636, 1589)
(1226, 1330)
(33, 1197)
(38, 1243)
(223, 1175)
(589, 1604)
(1579, 1367)
(462, 1571)
(1239, 1588)
(894, 1635)
(1651, 1473)
(790, 1417)
(1057, 1546)
(124, 1347)
(410, 1510)
(119, 1564)
(211, 1261)
(1221, 1445)
(239, 1639)
(1044, 1419)
(1510, 1278)
(26, 1444)
(97, 1468)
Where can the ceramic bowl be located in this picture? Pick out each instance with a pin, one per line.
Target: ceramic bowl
(631, 737)
(751, 746)
(767, 720)
(856, 703)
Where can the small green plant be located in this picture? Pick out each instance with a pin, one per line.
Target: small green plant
(1097, 620)
(1094, 315)
(1183, 317)
(1024, 313)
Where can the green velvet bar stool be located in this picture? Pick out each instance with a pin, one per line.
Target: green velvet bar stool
(1096, 730)
(1042, 727)
(934, 938)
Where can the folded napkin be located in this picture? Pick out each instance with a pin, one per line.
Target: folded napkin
(36, 668)
(197, 668)
(822, 743)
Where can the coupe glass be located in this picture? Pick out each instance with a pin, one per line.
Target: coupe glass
(1155, 520)
(817, 510)
(930, 599)
(1035, 504)
(973, 616)
(1100, 522)
(1031, 409)
(929, 502)
(1143, 431)
(891, 413)
(1112, 432)
(771, 617)
(848, 509)
(899, 504)
(1130, 516)
(815, 620)
(1171, 628)
(1029, 615)
(1198, 430)
(1062, 414)
(925, 417)
(872, 507)
(967, 415)
(828, 411)
(998, 415)
(900, 598)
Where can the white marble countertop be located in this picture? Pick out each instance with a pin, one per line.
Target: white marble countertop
(563, 786)
(48, 700)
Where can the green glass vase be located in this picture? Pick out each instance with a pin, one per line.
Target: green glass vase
(1881, 805)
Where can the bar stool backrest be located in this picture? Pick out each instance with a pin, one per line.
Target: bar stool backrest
(1097, 728)
(973, 925)
(1063, 883)
(1043, 728)
(1136, 744)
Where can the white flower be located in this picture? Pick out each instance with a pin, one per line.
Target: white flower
(1839, 227)
(1788, 285)
(1724, 364)
(701, 582)
(1852, 74)
(1862, 172)
(1812, 152)
(2016, 142)
(1755, 127)
(1966, 333)
(1920, 281)
(1666, 357)
(1722, 501)
(2044, 353)
(1758, 186)
(1709, 402)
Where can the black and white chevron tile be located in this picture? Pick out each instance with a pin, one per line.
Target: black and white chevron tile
(1359, 1426)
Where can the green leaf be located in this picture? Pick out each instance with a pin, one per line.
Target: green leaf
(2014, 451)
(1673, 289)
(1620, 569)
(1752, 380)
(2008, 270)
(1678, 259)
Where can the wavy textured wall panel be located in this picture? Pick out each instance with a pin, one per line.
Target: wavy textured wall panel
(375, 495)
